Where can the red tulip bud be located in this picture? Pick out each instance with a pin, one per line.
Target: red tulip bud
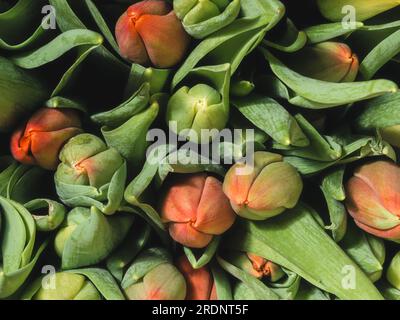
(150, 33)
(373, 199)
(199, 282)
(40, 140)
(196, 209)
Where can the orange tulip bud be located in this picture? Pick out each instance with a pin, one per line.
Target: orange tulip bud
(40, 140)
(264, 268)
(373, 199)
(196, 209)
(199, 282)
(150, 33)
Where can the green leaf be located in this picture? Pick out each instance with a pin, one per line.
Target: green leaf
(297, 242)
(206, 256)
(327, 92)
(328, 31)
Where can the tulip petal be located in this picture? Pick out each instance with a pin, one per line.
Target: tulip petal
(365, 206)
(188, 236)
(391, 234)
(384, 178)
(214, 213)
(182, 198)
(164, 38)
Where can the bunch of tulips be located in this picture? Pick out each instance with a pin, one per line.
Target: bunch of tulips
(303, 203)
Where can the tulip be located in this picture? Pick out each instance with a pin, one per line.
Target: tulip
(372, 199)
(196, 209)
(40, 140)
(199, 282)
(201, 18)
(326, 61)
(90, 173)
(262, 190)
(88, 236)
(150, 33)
(364, 9)
(263, 268)
(196, 109)
(68, 286)
(393, 273)
(152, 276)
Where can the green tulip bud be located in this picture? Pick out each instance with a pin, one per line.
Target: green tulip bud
(364, 9)
(196, 108)
(393, 273)
(88, 236)
(201, 18)
(68, 286)
(264, 190)
(152, 276)
(90, 173)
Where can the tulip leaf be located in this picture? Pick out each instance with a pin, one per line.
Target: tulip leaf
(292, 41)
(310, 292)
(338, 216)
(328, 92)
(8, 166)
(320, 148)
(57, 47)
(380, 113)
(368, 252)
(101, 23)
(389, 292)
(20, 93)
(332, 183)
(269, 116)
(328, 31)
(136, 239)
(206, 256)
(297, 242)
(380, 55)
(257, 288)
(63, 102)
(202, 29)
(103, 281)
(47, 214)
(232, 43)
(221, 281)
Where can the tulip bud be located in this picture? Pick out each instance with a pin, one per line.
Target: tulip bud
(372, 199)
(334, 10)
(326, 61)
(87, 171)
(264, 190)
(264, 268)
(40, 140)
(68, 286)
(196, 209)
(199, 282)
(393, 273)
(153, 277)
(150, 33)
(195, 109)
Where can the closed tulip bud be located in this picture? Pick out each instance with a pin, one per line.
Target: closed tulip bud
(262, 190)
(326, 61)
(364, 9)
(68, 286)
(40, 140)
(393, 273)
(150, 33)
(152, 276)
(196, 209)
(264, 268)
(194, 109)
(372, 199)
(88, 171)
(391, 134)
(199, 282)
